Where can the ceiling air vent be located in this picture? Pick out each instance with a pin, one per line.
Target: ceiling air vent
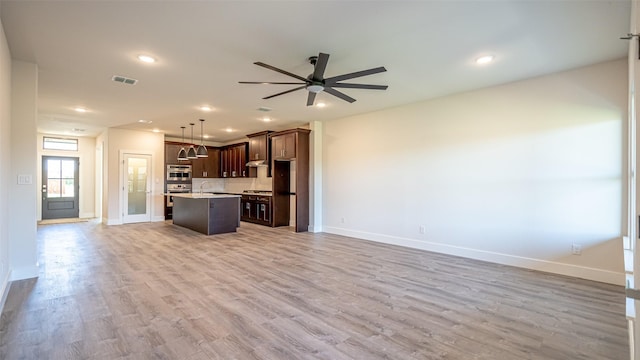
(124, 80)
(265, 109)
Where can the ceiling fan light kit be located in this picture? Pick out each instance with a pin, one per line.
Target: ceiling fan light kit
(316, 82)
(315, 88)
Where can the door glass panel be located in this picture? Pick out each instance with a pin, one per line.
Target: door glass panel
(137, 186)
(53, 188)
(67, 169)
(68, 188)
(60, 178)
(53, 169)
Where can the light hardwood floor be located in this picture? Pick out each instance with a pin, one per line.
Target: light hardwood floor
(157, 291)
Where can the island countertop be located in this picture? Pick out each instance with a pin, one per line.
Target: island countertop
(204, 195)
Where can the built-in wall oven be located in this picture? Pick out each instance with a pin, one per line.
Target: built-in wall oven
(178, 173)
(176, 189)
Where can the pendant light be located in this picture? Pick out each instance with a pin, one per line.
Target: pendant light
(202, 150)
(182, 154)
(191, 153)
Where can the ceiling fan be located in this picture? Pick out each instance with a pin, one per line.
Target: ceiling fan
(315, 82)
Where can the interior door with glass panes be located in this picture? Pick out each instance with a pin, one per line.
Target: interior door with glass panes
(137, 188)
(60, 188)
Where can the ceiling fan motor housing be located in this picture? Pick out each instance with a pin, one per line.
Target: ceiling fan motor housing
(315, 82)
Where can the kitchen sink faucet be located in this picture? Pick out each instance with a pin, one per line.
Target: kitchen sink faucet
(202, 184)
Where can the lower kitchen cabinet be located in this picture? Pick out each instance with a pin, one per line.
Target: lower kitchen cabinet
(256, 209)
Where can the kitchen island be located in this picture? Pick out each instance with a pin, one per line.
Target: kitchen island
(207, 213)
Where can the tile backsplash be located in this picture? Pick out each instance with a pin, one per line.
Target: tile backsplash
(234, 185)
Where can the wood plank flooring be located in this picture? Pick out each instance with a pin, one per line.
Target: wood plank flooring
(158, 291)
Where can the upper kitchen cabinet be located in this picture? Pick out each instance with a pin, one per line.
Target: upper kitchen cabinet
(171, 150)
(286, 145)
(208, 167)
(259, 146)
(233, 160)
(283, 144)
(259, 152)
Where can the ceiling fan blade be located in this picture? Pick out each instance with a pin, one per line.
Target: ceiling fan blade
(269, 82)
(280, 71)
(311, 98)
(337, 93)
(321, 65)
(360, 86)
(285, 92)
(335, 79)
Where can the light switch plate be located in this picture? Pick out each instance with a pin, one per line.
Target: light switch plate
(25, 180)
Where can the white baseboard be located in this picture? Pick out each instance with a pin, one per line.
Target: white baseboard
(87, 215)
(314, 229)
(611, 277)
(25, 272)
(119, 221)
(112, 221)
(4, 290)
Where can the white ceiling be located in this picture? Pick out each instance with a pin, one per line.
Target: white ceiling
(205, 47)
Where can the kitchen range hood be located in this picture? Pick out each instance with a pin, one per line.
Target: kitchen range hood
(256, 163)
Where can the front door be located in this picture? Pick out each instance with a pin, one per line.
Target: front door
(60, 187)
(137, 188)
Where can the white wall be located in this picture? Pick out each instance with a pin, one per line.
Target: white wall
(102, 143)
(22, 198)
(87, 172)
(5, 160)
(136, 142)
(513, 174)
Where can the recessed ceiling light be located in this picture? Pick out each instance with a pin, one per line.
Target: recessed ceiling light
(206, 136)
(266, 119)
(156, 130)
(146, 58)
(229, 130)
(205, 108)
(484, 59)
(321, 105)
(80, 109)
(142, 121)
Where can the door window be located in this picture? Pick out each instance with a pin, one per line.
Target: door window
(60, 178)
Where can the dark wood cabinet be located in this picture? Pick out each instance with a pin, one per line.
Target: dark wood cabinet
(281, 193)
(283, 146)
(171, 150)
(256, 209)
(233, 160)
(259, 151)
(259, 146)
(212, 163)
(208, 167)
(290, 147)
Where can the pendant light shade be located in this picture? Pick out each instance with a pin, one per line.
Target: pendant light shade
(191, 153)
(202, 150)
(182, 154)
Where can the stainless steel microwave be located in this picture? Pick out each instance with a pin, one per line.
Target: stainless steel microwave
(178, 172)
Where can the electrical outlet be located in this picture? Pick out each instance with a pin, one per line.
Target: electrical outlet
(421, 229)
(576, 249)
(342, 220)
